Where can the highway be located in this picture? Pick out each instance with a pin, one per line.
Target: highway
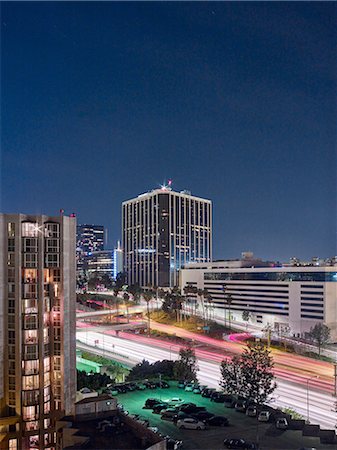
(288, 393)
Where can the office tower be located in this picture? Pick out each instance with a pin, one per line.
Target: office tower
(163, 230)
(37, 328)
(90, 238)
(100, 263)
(118, 260)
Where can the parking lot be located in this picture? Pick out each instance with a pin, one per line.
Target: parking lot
(240, 426)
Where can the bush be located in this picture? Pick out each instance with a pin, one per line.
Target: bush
(294, 414)
(147, 370)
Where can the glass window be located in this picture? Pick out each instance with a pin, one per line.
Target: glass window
(13, 443)
(52, 260)
(52, 230)
(29, 306)
(11, 259)
(52, 245)
(30, 367)
(11, 244)
(29, 275)
(29, 229)
(30, 382)
(29, 245)
(11, 229)
(30, 260)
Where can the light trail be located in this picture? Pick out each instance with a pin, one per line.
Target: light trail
(287, 394)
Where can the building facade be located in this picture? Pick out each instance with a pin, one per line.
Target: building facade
(163, 230)
(37, 328)
(100, 263)
(286, 298)
(90, 238)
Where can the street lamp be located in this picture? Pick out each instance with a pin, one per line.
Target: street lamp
(224, 287)
(308, 381)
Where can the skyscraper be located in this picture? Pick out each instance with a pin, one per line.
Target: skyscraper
(37, 328)
(90, 238)
(163, 230)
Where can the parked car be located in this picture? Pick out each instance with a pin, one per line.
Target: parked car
(162, 384)
(207, 392)
(217, 397)
(264, 416)
(239, 444)
(196, 390)
(191, 424)
(191, 408)
(150, 402)
(241, 406)
(281, 423)
(120, 389)
(172, 444)
(159, 407)
(112, 391)
(181, 384)
(218, 421)
(150, 384)
(229, 401)
(168, 414)
(141, 386)
(189, 387)
(180, 415)
(174, 401)
(203, 415)
(251, 411)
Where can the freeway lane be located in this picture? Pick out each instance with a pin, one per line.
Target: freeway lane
(286, 394)
(286, 363)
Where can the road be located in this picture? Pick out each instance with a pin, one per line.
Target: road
(288, 366)
(288, 393)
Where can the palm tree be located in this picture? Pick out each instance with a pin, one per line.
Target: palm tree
(148, 295)
(126, 298)
(229, 302)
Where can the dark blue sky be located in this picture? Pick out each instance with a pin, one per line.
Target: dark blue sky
(233, 101)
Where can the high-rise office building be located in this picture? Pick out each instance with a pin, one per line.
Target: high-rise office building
(90, 238)
(163, 230)
(37, 328)
(118, 260)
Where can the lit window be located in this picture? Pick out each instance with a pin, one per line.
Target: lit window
(13, 443)
(29, 229)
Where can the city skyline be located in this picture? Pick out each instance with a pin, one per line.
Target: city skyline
(235, 102)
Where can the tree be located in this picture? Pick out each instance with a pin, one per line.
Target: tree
(250, 374)
(148, 295)
(126, 298)
(135, 290)
(230, 376)
(256, 369)
(186, 367)
(172, 303)
(320, 334)
(246, 315)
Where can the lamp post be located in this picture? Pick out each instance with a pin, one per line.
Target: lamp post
(308, 404)
(224, 287)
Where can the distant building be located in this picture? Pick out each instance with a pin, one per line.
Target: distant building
(100, 263)
(162, 231)
(90, 238)
(37, 328)
(284, 297)
(118, 261)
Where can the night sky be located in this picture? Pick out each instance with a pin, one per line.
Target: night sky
(235, 102)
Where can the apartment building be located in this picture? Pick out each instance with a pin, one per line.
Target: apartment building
(37, 328)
